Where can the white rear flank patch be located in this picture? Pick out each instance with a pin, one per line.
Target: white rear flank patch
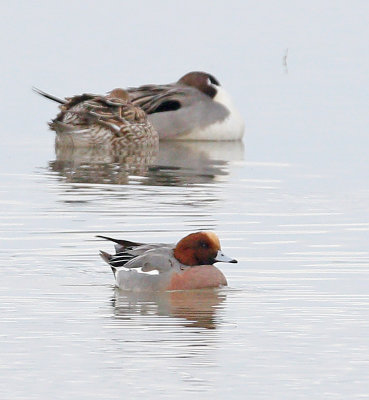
(231, 128)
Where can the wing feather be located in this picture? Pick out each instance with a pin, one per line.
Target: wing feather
(148, 257)
(151, 98)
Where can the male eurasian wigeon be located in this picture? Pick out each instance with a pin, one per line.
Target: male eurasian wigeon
(94, 120)
(195, 107)
(185, 265)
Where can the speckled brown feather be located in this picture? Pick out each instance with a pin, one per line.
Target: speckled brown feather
(90, 119)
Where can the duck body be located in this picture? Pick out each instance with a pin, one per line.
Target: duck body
(94, 120)
(195, 107)
(182, 266)
(199, 277)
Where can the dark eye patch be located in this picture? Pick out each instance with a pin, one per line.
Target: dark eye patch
(204, 245)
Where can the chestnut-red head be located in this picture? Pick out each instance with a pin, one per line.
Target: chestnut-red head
(200, 248)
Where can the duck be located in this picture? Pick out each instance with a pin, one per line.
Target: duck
(196, 107)
(101, 120)
(186, 265)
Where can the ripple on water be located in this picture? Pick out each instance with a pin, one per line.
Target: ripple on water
(294, 317)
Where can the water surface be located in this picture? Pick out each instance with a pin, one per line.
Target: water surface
(291, 203)
(294, 317)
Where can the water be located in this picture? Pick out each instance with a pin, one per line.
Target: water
(291, 203)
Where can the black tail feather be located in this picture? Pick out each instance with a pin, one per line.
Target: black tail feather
(124, 243)
(49, 96)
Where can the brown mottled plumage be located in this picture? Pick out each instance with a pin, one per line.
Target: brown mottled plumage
(111, 120)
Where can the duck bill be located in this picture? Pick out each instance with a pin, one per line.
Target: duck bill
(221, 257)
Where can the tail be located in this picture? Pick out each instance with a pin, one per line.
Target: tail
(49, 96)
(124, 243)
(106, 257)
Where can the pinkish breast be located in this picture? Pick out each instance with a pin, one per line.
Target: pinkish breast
(200, 277)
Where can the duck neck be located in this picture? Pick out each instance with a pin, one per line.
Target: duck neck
(185, 256)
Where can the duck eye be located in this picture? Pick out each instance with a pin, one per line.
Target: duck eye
(204, 245)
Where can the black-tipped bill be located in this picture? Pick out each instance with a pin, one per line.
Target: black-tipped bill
(221, 257)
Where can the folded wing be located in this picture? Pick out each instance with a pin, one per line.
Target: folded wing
(148, 257)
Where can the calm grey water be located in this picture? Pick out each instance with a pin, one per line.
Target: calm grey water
(291, 203)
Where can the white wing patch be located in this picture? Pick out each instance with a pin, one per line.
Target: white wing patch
(160, 259)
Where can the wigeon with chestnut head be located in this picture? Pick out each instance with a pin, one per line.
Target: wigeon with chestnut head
(182, 266)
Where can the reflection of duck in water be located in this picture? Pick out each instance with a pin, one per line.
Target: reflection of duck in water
(182, 266)
(102, 165)
(174, 164)
(182, 163)
(198, 307)
(110, 121)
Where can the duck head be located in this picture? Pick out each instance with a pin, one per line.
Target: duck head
(202, 81)
(200, 248)
(119, 94)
